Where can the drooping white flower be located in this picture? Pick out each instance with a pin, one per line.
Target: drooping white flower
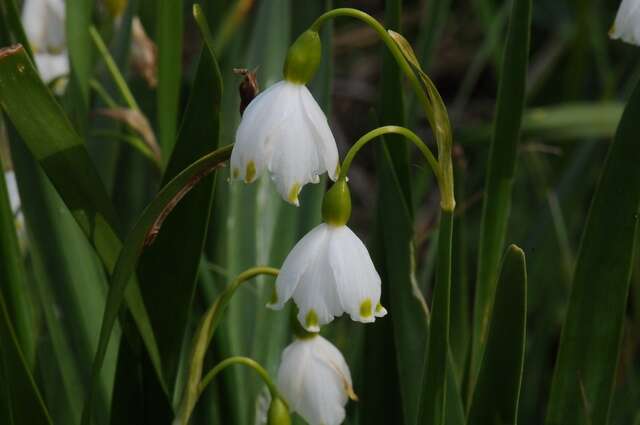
(627, 24)
(329, 272)
(314, 379)
(284, 131)
(44, 24)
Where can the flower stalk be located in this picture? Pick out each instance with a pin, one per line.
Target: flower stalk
(207, 327)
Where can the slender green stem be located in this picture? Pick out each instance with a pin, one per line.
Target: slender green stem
(433, 400)
(206, 328)
(389, 129)
(422, 86)
(246, 361)
(113, 69)
(102, 93)
(388, 41)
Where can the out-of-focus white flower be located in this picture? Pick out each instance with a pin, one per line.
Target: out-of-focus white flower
(314, 379)
(627, 24)
(284, 131)
(329, 272)
(16, 208)
(44, 24)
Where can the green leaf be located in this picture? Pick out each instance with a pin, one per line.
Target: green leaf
(144, 232)
(438, 362)
(67, 276)
(585, 368)
(25, 404)
(78, 19)
(501, 168)
(12, 274)
(61, 153)
(496, 395)
(169, 23)
(186, 228)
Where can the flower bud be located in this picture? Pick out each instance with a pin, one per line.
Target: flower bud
(278, 413)
(303, 58)
(336, 205)
(115, 7)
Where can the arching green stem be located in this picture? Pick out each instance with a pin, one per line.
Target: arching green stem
(422, 86)
(246, 361)
(389, 129)
(388, 41)
(202, 339)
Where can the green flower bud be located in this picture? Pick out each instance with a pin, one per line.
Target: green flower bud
(278, 413)
(115, 7)
(336, 205)
(303, 58)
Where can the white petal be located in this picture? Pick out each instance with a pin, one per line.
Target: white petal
(265, 112)
(627, 23)
(297, 262)
(358, 283)
(52, 66)
(34, 15)
(323, 136)
(295, 159)
(56, 28)
(12, 187)
(313, 377)
(316, 297)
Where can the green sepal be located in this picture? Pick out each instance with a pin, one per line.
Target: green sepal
(336, 205)
(278, 413)
(303, 58)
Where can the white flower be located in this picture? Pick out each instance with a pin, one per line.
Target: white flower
(284, 131)
(327, 273)
(627, 24)
(44, 24)
(314, 379)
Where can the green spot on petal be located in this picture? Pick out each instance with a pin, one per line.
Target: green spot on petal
(312, 319)
(379, 308)
(293, 193)
(274, 296)
(251, 172)
(235, 173)
(365, 308)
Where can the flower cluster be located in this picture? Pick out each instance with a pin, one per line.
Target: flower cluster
(329, 272)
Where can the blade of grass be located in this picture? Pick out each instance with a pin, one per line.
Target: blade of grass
(142, 235)
(584, 376)
(501, 168)
(13, 283)
(169, 23)
(64, 158)
(78, 20)
(26, 405)
(496, 396)
(159, 268)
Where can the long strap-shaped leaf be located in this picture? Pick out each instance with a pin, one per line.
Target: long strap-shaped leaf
(145, 230)
(495, 399)
(168, 281)
(25, 402)
(501, 168)
(583, 379)
(61, 153)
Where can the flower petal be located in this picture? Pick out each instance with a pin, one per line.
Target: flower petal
(325, 142)
(52, 66)
(296, 263)
(251, 152)
(295, 160)
(358, 283)
(627, 24)
(313, 377)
